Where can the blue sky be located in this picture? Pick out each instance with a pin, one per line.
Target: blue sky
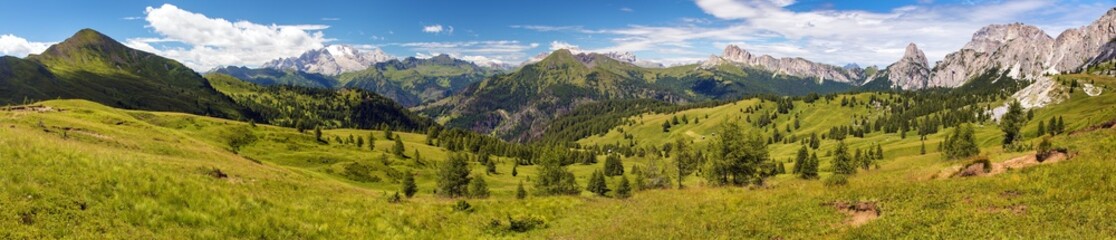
(205, 34)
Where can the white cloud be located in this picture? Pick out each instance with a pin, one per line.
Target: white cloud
(131, 18)
(16, 46)
(437, 28)
(503, 51)
(555, 45)
(627, 9)
(212, 42)
(331, 19)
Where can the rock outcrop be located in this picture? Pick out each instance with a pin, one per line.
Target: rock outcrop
(790, 66)
(910, 72)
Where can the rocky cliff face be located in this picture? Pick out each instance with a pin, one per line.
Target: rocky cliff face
(331, 60)
(1025, 52)
(910, 72)
(791, 66)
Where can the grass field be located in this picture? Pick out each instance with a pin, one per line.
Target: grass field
(83, 170)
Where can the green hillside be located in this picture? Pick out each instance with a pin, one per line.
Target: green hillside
(412, 81)
(92, 66)
(80, 169)
(268, 76)
(308, 107)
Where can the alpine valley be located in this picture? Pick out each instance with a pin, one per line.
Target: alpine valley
(1010, 136)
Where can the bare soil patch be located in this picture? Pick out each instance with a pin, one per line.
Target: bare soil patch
(32, 108)
(859, 213)
(1026, 161)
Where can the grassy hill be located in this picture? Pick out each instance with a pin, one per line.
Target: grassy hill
(520, 106)
(90, 65)
(78, 169)
(308, 107)
(413, 81)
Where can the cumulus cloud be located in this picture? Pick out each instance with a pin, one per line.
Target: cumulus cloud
(212, 42)
(12, 45)
(555, 45)
(437, 28)
(836, 36)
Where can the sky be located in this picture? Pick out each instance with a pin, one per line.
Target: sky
(208, 34)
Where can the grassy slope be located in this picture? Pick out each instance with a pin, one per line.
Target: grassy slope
(144, 174)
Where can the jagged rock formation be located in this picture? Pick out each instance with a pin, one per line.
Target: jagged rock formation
(1026, 52)
(790, 66)
(910, 72)
(331, 60)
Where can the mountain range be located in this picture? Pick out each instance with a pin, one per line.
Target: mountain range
(410, 81)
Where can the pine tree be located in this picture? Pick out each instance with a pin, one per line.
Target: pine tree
(810, 167)
(490, 168)
(1011, 122)
(879, 152)
(736, 157)
(815, 143)
(613, 166)
(360, 142)
(409, 187)
(922, 151)
(961, 143)
(478, 188)
(666, 126)
(625, 188)
(318, 134)
(842, 162)
(453, 177)
(553, 178)
(515, 171)
(685, 160)
(1041, 129)
(388, 134)
(398, 148)
(597, 184)
(1061, 125)
(371, 142)
(800, 159)
(520, 193)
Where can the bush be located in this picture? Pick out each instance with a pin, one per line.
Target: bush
(462, 206)
(395, 198)
(359, 172)
(519, 224)
(1043, 150)
(983, 161)
(836, 180)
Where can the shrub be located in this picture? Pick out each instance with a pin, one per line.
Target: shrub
(395, 198)
(836, 180)
(462, 206)
(983, 161)
(1043, 150)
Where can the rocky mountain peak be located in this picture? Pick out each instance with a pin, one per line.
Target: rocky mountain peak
(331, 60)
(736, 54)
(912, 71)
(991, 37)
